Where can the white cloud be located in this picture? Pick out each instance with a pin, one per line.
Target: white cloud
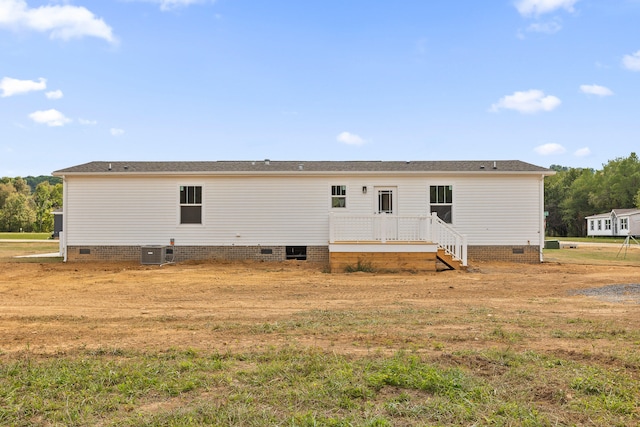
(350, 139)
(12, 87)
(550, 27)
(540, 7)
(60, 21)
(583, 152)
(87, 122)
(529, 102)
(166, 5)
(547, 149)
(49, 117)
(54, 94)
(596, 90)
(116, 131)
(632, 62)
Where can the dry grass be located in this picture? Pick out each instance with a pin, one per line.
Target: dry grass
(288, 344)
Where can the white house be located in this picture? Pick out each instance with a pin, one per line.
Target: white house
(618, 222)
(385, 212)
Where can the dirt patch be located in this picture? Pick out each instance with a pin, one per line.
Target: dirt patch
(62, 308)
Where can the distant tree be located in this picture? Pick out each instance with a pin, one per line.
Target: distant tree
(617, 184)
(33, 181)
(21, 186)
(577, 202)
(6, 189)
(17, 213)
(566, 200)
(43, 204)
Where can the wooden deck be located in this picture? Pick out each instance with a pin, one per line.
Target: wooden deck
(389, 256)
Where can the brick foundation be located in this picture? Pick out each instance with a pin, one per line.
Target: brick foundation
(186, 253)
(520, 254)
(528, 254)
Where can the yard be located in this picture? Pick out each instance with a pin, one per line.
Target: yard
(289, 344)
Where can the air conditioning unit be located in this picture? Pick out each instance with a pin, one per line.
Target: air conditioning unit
(156, 255)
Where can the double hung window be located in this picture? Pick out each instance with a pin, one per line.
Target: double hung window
(441, 201)
(190, 204)
(338, 196)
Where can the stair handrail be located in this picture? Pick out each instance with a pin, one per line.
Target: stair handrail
(449, 239)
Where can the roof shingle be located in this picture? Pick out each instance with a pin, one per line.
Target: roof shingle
(267, 166)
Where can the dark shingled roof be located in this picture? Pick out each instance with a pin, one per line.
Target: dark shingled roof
(267, 166)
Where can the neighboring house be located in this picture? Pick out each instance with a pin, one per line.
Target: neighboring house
(393, 214)
(618, 222)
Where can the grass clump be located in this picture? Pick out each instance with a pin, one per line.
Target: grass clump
(361, 266)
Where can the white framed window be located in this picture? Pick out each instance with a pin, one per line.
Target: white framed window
(592, 224)
(386, 204)
(441, 201)
(607, 224)
(190, 204)
(624, 223)
(599, 224)
(338, 196)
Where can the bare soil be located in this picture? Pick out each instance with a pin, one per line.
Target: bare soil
(55, 308)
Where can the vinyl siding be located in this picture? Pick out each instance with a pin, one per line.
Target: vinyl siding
(280, 210)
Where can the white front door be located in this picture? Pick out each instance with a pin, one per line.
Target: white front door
(386, 227)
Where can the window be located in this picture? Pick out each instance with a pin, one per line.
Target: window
(190, 204)
(592, 225)
(599, 224)
(624, 223)
(385, 201)
(441, 198)
(338, 196)
(607, 224)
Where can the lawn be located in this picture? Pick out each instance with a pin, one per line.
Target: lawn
(25, 236)
(287, 344)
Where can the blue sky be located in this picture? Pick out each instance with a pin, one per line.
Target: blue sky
(543, 81)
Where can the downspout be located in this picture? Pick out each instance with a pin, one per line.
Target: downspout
(542, 218)
(65, 216)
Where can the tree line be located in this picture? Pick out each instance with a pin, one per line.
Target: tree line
(26, 204)
(574, 193)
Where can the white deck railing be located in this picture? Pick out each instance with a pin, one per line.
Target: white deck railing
(392, 228)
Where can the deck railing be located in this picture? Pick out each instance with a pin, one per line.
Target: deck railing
(393, 228)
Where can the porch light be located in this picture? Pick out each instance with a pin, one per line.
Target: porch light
(364, 189)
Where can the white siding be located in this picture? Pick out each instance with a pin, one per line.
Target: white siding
(293, 210)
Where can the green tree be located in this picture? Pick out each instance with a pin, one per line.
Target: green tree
(21, 186)
(43, 204)
(618, 184)
(6, 189)
(17, 213)
(577, 201)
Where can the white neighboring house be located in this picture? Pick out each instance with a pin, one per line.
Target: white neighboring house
(313, 210)
(618, 222)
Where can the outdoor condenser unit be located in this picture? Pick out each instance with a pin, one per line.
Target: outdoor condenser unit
(156, 255)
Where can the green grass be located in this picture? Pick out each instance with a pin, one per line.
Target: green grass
(613, 255)
(27, 236)
(10, 249)
(594, 239)
(308, 387)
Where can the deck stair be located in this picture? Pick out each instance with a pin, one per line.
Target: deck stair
(448, 260)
